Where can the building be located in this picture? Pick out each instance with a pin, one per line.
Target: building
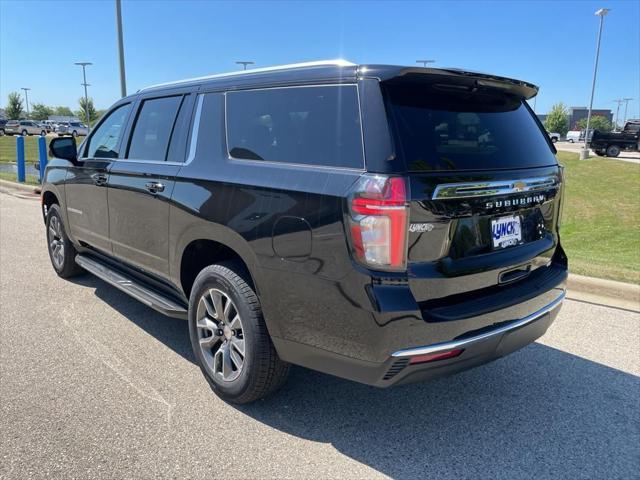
(578, 113)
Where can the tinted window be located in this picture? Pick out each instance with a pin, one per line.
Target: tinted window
(153, 128)
(440, 129)
(105, 140)
(308, 125)
(178, 144)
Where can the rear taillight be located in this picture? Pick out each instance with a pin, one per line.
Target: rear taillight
(378, 216)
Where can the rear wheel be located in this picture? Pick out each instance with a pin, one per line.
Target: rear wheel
(554, 139)
(600, 153)
(613, 151)
(571, 140)
(74, 134)
(229, 336)
(43, 133)
(61, 251)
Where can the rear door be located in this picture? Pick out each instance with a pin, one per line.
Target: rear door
(141, 183)
(484, 183)
(86, 182)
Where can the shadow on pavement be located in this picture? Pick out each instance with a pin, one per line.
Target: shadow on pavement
(540, 412)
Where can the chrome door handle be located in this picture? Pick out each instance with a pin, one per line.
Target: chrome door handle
(99, 179)
(154, 187)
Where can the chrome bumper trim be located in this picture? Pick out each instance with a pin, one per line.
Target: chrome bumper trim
(465, 342)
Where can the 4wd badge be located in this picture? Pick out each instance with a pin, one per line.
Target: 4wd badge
(420, 227)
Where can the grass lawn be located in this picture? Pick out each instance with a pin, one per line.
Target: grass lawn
(601, 222)
(8, 148)
(30, 179)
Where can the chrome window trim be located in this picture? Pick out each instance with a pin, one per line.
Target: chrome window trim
(486, 189)
(195, 130)
(465, 342)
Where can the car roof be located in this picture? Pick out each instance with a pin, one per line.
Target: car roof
(338, 71)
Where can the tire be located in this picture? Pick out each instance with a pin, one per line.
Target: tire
(554, 140)
(24, 133)
(613, 151)
(64, 265)
(2, 134)
(234, 377)
(600, 153)
(43, 133)
(74, 134)
(571, 140)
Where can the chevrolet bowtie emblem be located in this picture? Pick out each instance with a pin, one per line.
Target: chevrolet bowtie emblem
(519, 186)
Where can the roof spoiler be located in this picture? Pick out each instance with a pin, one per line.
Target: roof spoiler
(464, 78)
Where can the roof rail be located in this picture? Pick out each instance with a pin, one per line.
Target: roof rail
(319, 63)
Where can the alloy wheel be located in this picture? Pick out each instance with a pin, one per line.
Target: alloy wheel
(56, 244)
(220, 335)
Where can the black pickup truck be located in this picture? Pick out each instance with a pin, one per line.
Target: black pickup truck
(612, 143)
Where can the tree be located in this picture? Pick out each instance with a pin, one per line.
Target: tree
(556, 121)
(14, 106)
(63, 111)
(598, 122)
(81, 114)
(40, 111)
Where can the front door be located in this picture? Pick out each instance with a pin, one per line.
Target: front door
(140, 185)
(86, 182)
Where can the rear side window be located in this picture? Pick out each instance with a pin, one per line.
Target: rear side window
(437, 128)
(303, 125)
(153, 127)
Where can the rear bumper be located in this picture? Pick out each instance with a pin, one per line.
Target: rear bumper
(477, 348)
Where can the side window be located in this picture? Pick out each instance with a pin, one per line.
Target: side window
(106, 138)
(306, 125)
(153, 127)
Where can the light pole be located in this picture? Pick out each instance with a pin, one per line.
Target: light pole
(86, 97)
(424, 62)
(615, 124)
(26, 97)
(244, 64)
(123, 81)
(626, 104)
(584, 153)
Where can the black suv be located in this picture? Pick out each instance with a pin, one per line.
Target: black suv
(383, 224)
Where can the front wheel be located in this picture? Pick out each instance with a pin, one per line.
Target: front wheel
(554, 140)
(24, 133)
(613, 151)
(571, 140)
(43, 133)
(61, 251)
(229, 336)
(74, 134)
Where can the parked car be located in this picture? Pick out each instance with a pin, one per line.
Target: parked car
(24, 128)
(72, 128)
(610, 144)
(555, 137)
(574, 136)
(379, 223)
(48, 124)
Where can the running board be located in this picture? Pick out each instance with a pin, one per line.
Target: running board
(132, 287)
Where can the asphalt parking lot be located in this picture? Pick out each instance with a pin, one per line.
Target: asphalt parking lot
(96, 385)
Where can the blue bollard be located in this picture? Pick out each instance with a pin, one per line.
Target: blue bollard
(42, 156)
(20, 157)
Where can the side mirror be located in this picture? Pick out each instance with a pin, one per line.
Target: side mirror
(65, 148)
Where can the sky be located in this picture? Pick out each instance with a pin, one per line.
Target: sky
(549, 43)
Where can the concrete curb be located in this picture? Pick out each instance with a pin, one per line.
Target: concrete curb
(19, 186)
(604, 292)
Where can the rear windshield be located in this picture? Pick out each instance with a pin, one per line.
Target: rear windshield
(437, 127)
